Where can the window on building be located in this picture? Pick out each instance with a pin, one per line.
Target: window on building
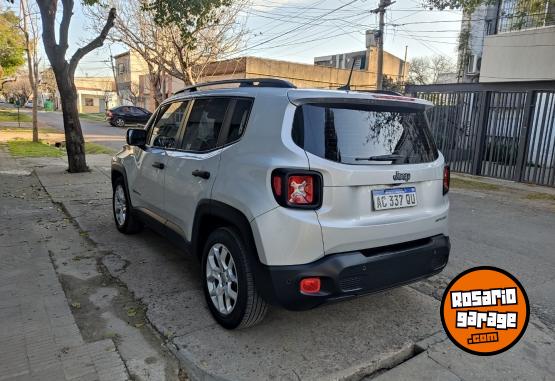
(471, 68)
(121, 68)
(89, 102)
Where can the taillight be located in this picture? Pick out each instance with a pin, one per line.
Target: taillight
(300, 190)
(446, 179)
(297, 188)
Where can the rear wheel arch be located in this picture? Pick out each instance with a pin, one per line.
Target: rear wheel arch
(211, 215)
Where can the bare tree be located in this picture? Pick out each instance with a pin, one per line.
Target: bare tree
(19, 87)
(426, 70)
(30, 31)
(64, 71)
(167, 49)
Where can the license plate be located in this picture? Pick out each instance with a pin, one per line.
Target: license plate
(394, 198)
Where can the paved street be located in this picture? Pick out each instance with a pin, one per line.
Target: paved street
(96, 132)
(357, 339)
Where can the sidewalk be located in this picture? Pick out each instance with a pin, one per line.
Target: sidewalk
(390, 336)
(39, 338)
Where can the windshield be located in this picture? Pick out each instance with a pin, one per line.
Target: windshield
(369, 135)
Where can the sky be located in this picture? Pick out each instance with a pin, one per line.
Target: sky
(301, 30)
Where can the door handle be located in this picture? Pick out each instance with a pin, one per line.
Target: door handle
(202, 174)
(158, 165)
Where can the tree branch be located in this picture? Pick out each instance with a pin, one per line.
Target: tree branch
(64, 26)
(94, 44)
(48, 16)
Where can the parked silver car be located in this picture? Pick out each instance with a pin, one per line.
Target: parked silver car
(288, 196)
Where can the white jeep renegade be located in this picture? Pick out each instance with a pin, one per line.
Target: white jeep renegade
(288, 196)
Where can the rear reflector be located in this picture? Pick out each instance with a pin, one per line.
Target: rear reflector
(276, 185)
(310, 285)
(446, 179)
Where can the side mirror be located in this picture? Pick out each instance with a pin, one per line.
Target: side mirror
(136, 137)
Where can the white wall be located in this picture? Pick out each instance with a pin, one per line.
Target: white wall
(527, 55)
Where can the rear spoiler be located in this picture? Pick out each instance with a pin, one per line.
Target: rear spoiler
(384, 101)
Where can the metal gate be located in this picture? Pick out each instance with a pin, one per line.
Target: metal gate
(502, 130)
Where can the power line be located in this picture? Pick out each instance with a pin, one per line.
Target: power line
(299, 27)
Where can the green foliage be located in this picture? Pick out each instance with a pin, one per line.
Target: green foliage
(11, 116)
(12, 44)
(97, 149)
(27, 148)
(188, 15)
(391, 85)
(465, 5)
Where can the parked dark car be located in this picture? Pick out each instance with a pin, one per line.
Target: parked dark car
(120, 116)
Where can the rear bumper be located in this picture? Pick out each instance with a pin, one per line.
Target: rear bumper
(348, 275)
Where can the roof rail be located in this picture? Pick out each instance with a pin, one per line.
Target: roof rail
(243, 82)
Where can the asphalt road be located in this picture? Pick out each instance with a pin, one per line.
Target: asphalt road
(97, 132)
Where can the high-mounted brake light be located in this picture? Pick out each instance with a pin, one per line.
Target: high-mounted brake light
(394, 97)
(310, 285)
(299, 189)
(446, 179)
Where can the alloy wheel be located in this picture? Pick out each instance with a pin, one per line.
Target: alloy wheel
(120, 205)
(221, 279)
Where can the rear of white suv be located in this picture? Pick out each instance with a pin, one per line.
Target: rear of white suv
(310, 196)
(374, 185)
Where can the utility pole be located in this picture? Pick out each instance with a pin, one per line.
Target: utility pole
(381, 11)
(405, 65)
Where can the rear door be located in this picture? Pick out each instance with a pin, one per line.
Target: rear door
(382, 173)
(151, 162)
(193, 168)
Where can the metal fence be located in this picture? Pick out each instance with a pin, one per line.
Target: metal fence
(503, 130)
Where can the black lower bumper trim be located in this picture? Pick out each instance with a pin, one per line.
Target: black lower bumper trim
(351, 274)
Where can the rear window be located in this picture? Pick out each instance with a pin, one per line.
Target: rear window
(364, 135)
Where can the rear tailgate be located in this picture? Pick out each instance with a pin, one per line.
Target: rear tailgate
(352, 146)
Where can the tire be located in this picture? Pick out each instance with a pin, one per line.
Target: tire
(126, 221)
(119, 122)
(249, 308)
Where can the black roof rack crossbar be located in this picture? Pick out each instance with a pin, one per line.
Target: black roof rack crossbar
(243, 82)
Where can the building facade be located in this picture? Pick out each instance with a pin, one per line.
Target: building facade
(128, 68)
(511, 40)
(300, 74)
(95, 94)
(366, 60)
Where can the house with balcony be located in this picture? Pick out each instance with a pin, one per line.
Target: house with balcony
(508, 41)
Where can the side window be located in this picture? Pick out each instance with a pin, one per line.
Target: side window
(239, 119)
(165, 129)
(204, 124)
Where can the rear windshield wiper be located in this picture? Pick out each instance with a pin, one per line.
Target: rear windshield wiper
(381, 158)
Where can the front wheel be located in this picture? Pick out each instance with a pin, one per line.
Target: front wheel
(126, 222)
(119, 122)
(229, 285)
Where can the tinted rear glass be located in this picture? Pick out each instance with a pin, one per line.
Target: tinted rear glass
(355, 135)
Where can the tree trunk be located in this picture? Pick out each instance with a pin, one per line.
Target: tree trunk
(35, 114)
(75, 143)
